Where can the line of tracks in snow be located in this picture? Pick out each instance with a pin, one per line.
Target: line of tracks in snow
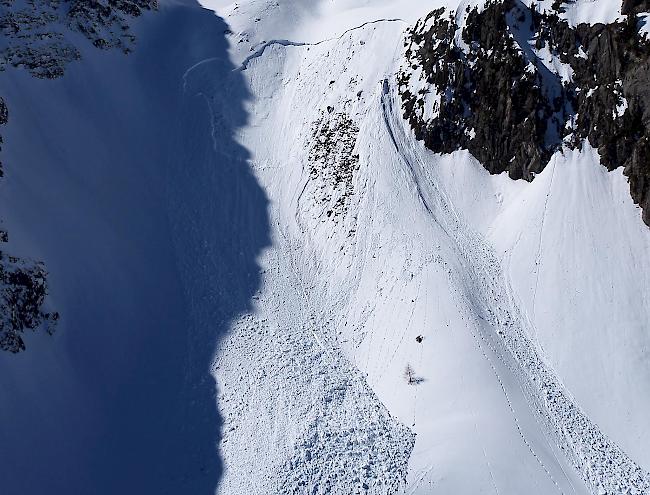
(504, 329)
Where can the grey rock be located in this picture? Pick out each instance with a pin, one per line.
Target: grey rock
(500, 102)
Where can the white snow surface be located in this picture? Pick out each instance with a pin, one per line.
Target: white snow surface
(256, 23)
(535, 345)
(532, 300)
(584, 11)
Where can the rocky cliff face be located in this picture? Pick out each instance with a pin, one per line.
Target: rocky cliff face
(36, 37)
(513, 85)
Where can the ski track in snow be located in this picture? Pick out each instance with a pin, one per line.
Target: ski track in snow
(260, 51)
(538, 255)
(602, 464)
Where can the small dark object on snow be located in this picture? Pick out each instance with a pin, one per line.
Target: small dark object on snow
(419, 339)
(411, 377)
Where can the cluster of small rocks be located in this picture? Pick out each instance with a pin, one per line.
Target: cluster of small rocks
(485, 85)
(23, 289)
(333, 160)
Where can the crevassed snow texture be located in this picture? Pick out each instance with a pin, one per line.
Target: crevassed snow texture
(139, 200)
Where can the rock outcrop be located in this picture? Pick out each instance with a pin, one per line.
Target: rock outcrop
(513, 85)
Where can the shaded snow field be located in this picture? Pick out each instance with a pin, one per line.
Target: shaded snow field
(533, 371)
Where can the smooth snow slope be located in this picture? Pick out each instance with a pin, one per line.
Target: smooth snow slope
(533, 369)
(149, 222)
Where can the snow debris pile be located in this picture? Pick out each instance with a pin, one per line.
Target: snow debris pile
(603, 465)
(336, 437)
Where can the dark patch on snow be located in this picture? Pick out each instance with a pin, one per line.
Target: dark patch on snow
(23, 289)
(332, 158)
(498, 91)
(22, 292)
(4, 118)
(635, 6)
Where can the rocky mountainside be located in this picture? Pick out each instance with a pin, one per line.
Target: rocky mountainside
(325, 247)
(514, 84)
(37, 36)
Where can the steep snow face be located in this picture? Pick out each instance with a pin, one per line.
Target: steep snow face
(254, 24)
(583, 11)
(481, 312)
(139, 201)
(575, 252)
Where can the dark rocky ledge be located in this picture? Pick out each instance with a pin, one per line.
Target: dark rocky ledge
(490, 87)
(23, 289)
(35, 36)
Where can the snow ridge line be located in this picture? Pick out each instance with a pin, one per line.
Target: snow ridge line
(282, 42)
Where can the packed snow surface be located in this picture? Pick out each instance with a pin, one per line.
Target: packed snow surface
(379, 319)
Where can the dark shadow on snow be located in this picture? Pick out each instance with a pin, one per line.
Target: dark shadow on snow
(150, 223)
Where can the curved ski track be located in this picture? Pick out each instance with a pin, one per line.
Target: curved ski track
(603, 466)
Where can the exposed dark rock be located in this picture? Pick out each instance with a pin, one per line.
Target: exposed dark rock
(105, 23)
(496, 94)
(332, 158)
(4, 118)
(23, 289)
(4, 113)
(492, 81)
(635, 6)
(34, 32)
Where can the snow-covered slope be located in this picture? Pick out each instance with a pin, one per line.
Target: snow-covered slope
(532, 367)
(149, 233)
(244, 198)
